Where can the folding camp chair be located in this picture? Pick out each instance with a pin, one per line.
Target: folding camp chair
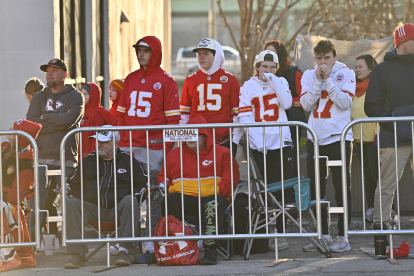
(258, 191)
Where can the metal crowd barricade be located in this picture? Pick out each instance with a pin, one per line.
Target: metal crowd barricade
(365, 231)
(3, 241)
(216, 236)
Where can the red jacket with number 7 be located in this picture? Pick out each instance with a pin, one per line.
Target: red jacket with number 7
(149, 98)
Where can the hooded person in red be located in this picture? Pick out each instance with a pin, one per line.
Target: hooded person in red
(95, 116)
(158, 105)
(150, 97)
(12, 196)
(115, 90)
(206, 162)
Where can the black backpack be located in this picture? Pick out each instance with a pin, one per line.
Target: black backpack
(241, 220)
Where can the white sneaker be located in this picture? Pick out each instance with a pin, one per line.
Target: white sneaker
(200, 245)
(312, 248)
(113, 250)
(55, 244)
(369, 214)
(148, 247)
(281, 244)
(340, 244)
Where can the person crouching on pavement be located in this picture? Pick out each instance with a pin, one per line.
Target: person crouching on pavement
(207, 189)
(105, 153)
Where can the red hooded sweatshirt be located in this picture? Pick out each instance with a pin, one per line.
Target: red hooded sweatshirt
(95, 116)
(149, 98)
(206, 163)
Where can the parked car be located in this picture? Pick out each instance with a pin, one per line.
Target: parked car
(186, 62)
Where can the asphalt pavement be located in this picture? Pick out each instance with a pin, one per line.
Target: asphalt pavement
(297, 262)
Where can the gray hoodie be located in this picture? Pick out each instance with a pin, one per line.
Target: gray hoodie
(62, 112)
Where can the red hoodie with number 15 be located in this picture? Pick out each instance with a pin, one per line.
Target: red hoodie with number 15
(149, 98)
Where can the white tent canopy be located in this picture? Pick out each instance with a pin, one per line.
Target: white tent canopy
(347, 51)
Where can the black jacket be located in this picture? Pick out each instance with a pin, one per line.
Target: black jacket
(62, 112)
(106, 179)
(390, 93)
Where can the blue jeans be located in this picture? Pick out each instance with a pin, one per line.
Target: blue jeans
(43, 192)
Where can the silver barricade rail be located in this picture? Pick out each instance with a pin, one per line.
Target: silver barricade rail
(383, 231)
(252, 187)
(33, 144)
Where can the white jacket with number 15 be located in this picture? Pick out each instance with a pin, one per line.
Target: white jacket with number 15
(265, 102)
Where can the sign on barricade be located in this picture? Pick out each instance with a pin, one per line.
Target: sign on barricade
(180, 135)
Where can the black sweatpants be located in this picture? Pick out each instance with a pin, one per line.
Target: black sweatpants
(333, 151)
(208, 213)
(274, 173)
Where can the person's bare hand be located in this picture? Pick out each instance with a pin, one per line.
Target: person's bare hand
(319, 73)
(326, 70)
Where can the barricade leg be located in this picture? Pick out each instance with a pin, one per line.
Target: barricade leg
(108, 254)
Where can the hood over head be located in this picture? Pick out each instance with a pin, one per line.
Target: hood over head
(218, 58)
(94, 96)
(29, 127)
(206, 131)
(156, 54)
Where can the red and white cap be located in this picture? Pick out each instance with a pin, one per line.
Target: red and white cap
(403, 34)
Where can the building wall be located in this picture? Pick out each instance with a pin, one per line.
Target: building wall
(145, 18)
(27, 41)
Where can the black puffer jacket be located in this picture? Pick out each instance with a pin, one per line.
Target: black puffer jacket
(106, 179)
(390, 93)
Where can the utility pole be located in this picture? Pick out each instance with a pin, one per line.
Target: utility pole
(212, 20)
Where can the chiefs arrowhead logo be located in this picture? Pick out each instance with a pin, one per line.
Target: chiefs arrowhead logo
(49, 105)
(122, 170)
(10, 169)
(207, 162)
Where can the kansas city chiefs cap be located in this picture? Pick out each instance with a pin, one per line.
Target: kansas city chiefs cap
(54, 62)
(206, 43)
(142, 43)
(105, 136)
(267, 55)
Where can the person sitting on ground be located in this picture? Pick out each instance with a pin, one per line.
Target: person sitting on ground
(33, 85)
(265, 98)
(14, 192)
(115, 90)
(207, 188)
(106, 151)
(95, 116)
(363, 70)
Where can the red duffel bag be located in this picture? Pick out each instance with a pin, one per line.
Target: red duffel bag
(175, 252)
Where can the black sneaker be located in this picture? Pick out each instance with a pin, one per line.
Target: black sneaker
(122, 259)
(75, 262)
(210, 256)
